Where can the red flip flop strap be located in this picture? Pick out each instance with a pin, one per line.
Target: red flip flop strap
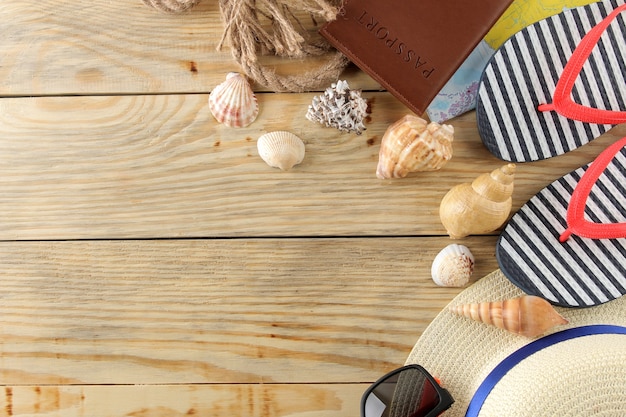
(562, 102)
(576, 223)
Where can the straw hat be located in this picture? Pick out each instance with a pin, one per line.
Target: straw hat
(568, 376)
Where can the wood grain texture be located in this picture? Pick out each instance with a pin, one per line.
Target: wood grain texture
(217, 311)
(241, 400)
(152, 265)
(56, 47)
(161, 166)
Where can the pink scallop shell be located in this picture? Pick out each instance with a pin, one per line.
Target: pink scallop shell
(233, 102)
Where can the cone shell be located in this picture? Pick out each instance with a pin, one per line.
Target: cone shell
(412, 144)
(233, 102)
(528, 315)
(479, 207)
(453, 266)
(281, 149)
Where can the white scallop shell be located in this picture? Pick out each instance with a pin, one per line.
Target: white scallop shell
(453, 266)
(233, 102)
(281, 149)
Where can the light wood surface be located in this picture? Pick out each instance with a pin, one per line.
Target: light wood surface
(151, 264)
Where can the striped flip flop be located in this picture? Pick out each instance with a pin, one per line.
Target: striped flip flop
(568, 243)
(555, 85)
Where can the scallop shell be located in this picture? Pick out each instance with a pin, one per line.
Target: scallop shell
(453, 266)
(281, 149)
(527, 315)
(233, 102)
(412, 144)
(478, 207)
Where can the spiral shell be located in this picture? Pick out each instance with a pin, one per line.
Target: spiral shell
(527, 315)
(479, 207)
(412, 144)
(281, 149)
(233, 102)
(453, 266)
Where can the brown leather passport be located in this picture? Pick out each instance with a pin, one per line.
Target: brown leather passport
(412, 47)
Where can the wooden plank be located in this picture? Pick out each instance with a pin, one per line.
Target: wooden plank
(160, 166)
(219, 400)
(217, 311)
(56, 47)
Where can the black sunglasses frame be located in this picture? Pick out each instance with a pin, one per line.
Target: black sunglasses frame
(445, 399)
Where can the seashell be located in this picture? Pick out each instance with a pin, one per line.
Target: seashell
(412, 144)
(527, 315)
(281, 149)
(233, 102)
(453, 266)
(479, 207)
(339, 107)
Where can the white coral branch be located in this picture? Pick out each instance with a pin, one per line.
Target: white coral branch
(339, 107)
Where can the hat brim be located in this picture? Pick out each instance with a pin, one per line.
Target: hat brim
(462, 352)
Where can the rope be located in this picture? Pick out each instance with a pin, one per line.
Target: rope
(171, 6)
(262, 27)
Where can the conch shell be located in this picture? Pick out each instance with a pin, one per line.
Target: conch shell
(453, 266)
(479, 207)
(412, 144)
(233, 102)
(527, 315)
(281, 149)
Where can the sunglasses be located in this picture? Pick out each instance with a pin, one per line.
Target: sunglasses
(409, 391)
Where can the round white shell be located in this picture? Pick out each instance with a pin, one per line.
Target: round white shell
(453, 266)
(233, 102)
(281, 149)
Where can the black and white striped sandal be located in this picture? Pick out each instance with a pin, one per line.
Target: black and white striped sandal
(567, 244)
(555, 85)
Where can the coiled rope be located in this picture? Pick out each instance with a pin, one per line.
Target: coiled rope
(261, 27)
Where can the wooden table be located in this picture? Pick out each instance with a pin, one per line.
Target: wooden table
(151, 264)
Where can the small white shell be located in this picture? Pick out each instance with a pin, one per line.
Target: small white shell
(281, 149)
(233, 102)
(453, 266)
